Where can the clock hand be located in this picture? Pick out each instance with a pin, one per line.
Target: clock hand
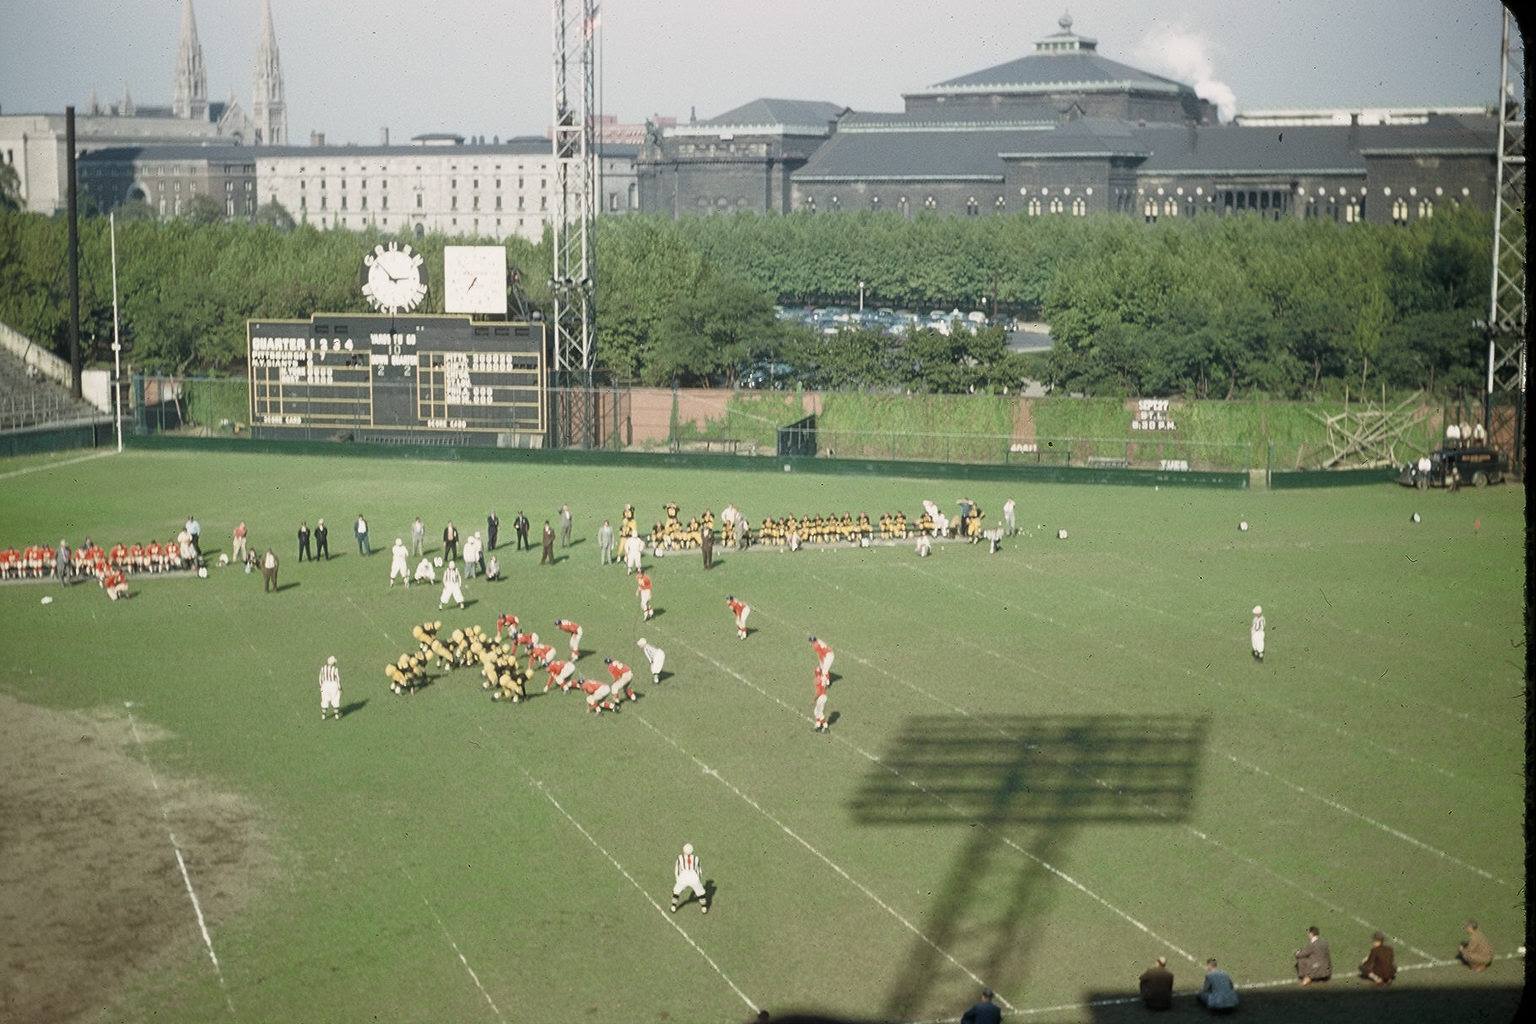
(471, 283)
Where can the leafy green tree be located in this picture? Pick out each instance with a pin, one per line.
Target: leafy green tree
(10, 187)
(203, 209)
(273, 215)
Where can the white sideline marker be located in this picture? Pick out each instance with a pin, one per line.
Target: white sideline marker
(55, 465)
(472, 975)
(197, 907)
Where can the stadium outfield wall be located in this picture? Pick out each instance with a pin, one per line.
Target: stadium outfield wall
(682, 460)
(56, 437)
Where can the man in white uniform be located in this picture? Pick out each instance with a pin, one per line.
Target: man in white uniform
(397, 567)
(330, 688)
(634, 548)
(687, 877)
(655, 657)
(1256, 633)
(453, 586)
(1009, 523)
(472, 554)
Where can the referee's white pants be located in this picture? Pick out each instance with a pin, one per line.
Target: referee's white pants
(455, 594)
(686, 881)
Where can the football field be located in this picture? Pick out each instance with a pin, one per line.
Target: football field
(1046, 766)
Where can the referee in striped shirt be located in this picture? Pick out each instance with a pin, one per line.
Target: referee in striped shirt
(330, 688)
(687, 875)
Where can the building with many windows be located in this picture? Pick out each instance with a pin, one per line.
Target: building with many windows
(1065, 131)
(168, 177)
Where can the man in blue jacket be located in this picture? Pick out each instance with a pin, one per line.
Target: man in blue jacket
(984, 1012)
(1217, 994)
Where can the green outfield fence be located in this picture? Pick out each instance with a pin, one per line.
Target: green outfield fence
(688, 460)
(56, 437)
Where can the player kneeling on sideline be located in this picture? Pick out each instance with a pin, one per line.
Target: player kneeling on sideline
(597, 696)
(623, 679)
(655, 657)
(424, 572)
(114, 583)
(924, 546)
(739, 609)
(686, 877)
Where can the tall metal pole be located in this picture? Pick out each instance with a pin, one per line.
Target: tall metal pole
(73, 257)
(573, 277)
(1506, 305)
(117, 339)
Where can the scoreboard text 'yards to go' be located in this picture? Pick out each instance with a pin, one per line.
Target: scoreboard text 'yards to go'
(405, 372)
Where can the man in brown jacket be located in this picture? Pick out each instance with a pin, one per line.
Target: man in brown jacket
(269, 572)
(1380, 964)
(548, 556)
(1476, 951)
(1313, 962)
(1157, 986)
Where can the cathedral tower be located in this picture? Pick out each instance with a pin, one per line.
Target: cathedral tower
(191, 92)
(268, 109)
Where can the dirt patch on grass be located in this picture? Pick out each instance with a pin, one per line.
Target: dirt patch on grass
(91, 896)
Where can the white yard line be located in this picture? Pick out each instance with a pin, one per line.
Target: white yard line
(57, 465)
(1282, 707)
(543, 791)
(714, 774)
(1197, 833)
(1229, 850)
(197, 907)
(462, 959)
(1388, 829)
(875, 759)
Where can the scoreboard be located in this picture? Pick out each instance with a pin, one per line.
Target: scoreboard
(385, 374)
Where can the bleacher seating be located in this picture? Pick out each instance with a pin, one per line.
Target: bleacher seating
(28, 399)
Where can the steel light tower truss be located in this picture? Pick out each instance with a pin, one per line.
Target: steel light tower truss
(575, 157)
(1506, 314)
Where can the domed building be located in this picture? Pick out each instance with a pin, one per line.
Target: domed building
(1065, 131)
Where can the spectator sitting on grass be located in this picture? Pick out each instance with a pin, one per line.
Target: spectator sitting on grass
(1217, 993)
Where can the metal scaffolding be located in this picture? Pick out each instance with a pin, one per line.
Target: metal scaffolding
(575, 155)
(1506, 313)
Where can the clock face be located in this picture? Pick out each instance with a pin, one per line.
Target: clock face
(394, 278)
(475, 279)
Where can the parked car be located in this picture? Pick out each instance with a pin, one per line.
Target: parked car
(1477, 465)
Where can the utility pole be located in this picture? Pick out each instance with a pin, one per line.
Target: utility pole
(73, 257)
(117, 340)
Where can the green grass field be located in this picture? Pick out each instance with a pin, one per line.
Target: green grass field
(1048, 766)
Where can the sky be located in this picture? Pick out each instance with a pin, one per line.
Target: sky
(478, 67)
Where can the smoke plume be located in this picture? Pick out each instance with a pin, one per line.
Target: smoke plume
(1186, 56)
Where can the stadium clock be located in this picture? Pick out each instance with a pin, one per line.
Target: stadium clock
(394, 278)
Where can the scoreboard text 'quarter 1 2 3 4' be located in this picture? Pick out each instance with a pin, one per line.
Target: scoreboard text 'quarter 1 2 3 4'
(403, 372)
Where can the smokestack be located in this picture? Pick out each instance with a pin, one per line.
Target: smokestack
(74, 253)
(383, 136)
(317, 138)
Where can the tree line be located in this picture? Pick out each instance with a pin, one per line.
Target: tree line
(1203, 307)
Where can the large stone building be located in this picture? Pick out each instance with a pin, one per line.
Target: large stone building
(34, 144)
(440, 183)
(1065, 131)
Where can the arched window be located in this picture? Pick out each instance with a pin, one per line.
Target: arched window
(1001, 204)
(1426, 209)
(1352, 211)
(930, 204)
(810, 204)
(1171, 207)
(1034, 206)
(874, 202)
(1056, 206)
(1333, 208)
(1399, 210)
(1149, 211)
(1311, 211)
(972, 208)
(1079, 207)
(421, 230)
(834, 204)
(1189, 206)
(906, 209)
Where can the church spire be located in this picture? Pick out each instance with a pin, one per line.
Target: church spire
(268, 109)
(191, 92)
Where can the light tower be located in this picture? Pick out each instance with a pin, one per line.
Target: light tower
(574, 227)
(1506, 307)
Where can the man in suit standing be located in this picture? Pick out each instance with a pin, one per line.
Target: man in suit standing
(418, 537)
(520, 524)
(984, 1012)
(361, 529)
(604, 543)
(707, 545)
(565, 526)
(322, 540)
(304, 542)
(1313, 961)
(492, 528)
(548, 557)
(269, 572)
(1157, 986)
(450, 542)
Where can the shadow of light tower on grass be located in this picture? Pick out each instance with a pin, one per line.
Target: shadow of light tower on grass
(1021, 788)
